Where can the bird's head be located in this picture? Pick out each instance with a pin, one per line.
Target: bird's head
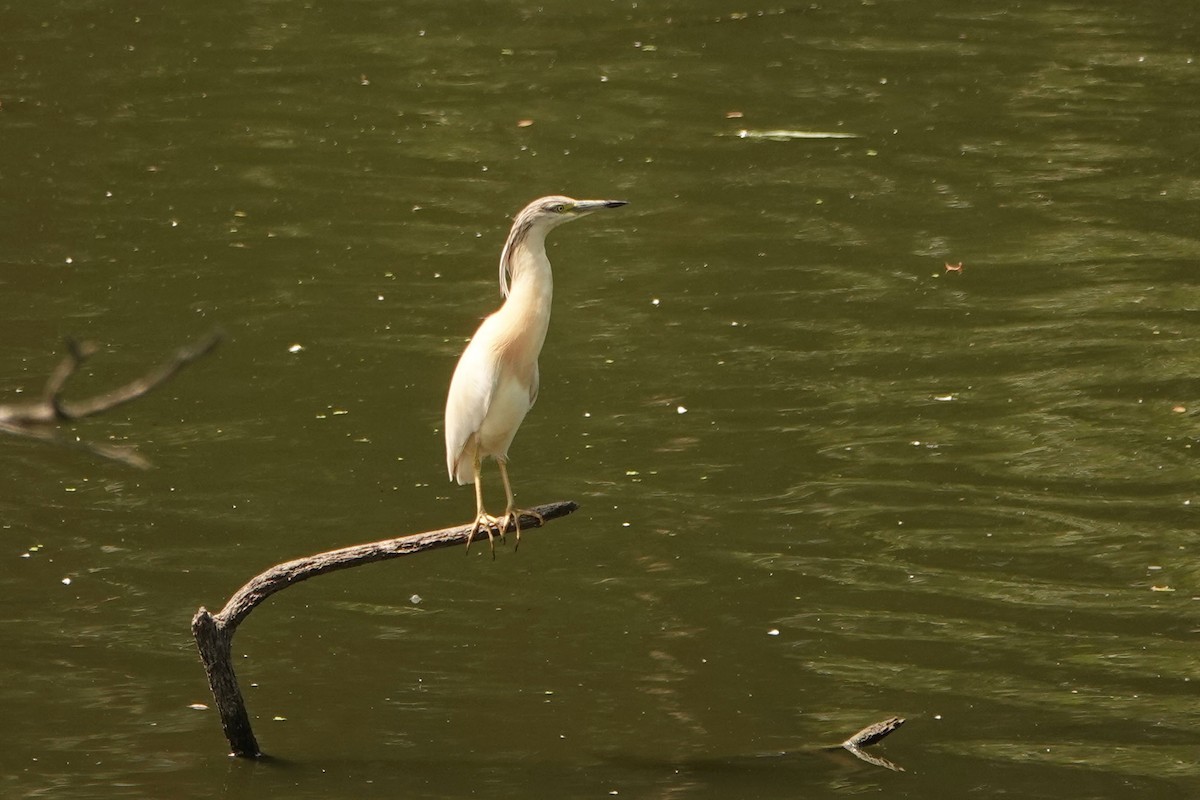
(539, 218)
(554, 210)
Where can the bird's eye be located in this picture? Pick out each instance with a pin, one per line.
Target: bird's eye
(559, 208)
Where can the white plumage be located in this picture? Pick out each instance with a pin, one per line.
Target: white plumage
(496, 380)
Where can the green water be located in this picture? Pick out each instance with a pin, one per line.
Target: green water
(823, 479)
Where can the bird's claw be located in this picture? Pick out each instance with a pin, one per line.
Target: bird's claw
(498, 526)
(486, 522)
(513, 517)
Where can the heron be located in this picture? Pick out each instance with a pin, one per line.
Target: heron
(496, 380)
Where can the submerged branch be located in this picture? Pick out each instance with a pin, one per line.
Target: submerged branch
(871, 735)
(34, 419)
(874, 733)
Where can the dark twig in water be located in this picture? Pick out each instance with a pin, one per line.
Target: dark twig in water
(874, 733)
(871, 735)
(214, 632)
(35, 419)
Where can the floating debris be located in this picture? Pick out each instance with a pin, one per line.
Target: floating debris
(787, 135)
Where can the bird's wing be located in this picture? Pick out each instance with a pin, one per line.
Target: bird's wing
(534, 384)
(471, 392)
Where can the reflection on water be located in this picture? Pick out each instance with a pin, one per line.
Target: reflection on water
(824, 479)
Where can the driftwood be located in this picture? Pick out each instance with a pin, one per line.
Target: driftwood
(36, 419)
(214, 632)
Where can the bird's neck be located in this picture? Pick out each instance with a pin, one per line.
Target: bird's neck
(531, 281)
(527, 309)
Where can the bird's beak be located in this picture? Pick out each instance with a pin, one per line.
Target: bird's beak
(588, 206)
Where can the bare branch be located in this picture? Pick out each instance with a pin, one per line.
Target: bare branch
(77, 353)
(214, 632)
(281, 576)
(143, 385)
(32, 419)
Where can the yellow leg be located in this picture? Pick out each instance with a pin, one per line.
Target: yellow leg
(511, 513)
(483, 519)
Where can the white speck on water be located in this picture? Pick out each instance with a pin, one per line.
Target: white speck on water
(680, 410)
(415, 599)
(296, 348)
(773, 632)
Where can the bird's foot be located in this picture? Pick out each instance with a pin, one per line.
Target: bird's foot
(486, 522)
(513, 517)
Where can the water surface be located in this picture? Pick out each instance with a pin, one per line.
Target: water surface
(825, 475)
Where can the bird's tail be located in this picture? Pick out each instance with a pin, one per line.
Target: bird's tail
(460, 466)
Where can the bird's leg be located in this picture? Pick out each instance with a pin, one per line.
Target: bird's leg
(483, 519)
(510, 511)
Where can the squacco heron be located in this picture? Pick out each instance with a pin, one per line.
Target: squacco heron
(496, 380)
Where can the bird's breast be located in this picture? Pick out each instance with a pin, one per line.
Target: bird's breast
(511, 401)
(521, 331)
